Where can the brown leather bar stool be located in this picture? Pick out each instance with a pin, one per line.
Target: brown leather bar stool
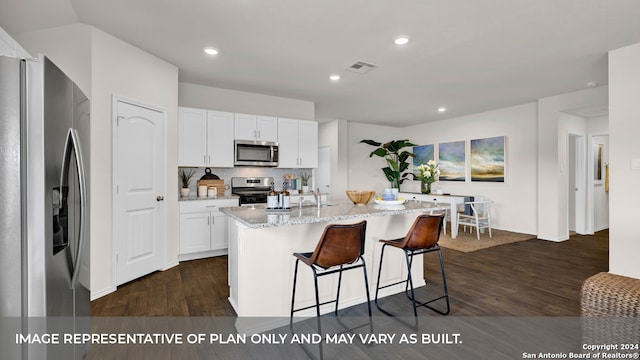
(340, 249)
(422, 238)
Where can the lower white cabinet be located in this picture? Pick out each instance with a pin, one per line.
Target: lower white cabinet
(203, 228)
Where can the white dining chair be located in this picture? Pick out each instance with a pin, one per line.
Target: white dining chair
(480, 216)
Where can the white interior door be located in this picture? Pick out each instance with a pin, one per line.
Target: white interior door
(139, 187)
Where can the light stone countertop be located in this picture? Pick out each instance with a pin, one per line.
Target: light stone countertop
(257, 217)
(195, 197)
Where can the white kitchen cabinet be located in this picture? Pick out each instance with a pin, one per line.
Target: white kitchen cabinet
(298, 140)
(219, 138)
(203, 228)
(195, 232)
(205, 138)
(255, 127)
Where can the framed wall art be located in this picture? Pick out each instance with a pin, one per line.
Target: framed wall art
(597, 164)
(423, 154)
(487, 159)
(451, 157)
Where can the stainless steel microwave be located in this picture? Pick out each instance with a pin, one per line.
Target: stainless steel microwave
(256, 153)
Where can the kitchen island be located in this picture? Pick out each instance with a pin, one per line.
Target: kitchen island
(261, 263)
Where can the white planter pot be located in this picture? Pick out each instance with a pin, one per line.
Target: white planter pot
(184, 192)
(305, 189)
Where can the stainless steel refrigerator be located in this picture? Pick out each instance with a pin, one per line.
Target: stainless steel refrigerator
(44, 205)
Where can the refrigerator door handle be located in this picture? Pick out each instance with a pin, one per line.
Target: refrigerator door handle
(72, 145)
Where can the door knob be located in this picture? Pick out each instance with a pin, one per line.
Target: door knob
(159, 198)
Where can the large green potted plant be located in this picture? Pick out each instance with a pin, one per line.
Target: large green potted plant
(396, 159)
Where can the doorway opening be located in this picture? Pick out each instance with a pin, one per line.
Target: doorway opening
(598, 182)
(576, 185)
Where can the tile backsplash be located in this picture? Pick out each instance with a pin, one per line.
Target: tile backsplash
(227, 173)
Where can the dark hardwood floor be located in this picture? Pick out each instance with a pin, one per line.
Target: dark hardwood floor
(528, 278)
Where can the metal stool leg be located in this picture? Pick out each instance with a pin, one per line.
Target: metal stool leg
(410, 282)
(338, 292)
(315, 284)
(293, 295)
(366, 286)
(378, 281)
(444, 284)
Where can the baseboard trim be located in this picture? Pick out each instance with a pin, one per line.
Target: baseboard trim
(203, 254)
(170, 265)
(103, 292)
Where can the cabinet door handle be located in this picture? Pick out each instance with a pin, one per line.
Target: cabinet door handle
(258, 134)
(209, 159)
(300, 161)
(204, 159)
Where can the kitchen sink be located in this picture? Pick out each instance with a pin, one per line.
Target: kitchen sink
(311, 205)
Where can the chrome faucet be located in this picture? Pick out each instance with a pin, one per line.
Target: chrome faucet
(316, 195)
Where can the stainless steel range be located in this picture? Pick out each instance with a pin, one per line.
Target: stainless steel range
(251, 190)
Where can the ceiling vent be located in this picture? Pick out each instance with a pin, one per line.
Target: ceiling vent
(361, 67)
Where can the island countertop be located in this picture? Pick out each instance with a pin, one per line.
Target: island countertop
(258, 216)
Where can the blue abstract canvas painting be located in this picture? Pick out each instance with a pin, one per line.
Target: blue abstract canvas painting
(487, 159)
(451, 157)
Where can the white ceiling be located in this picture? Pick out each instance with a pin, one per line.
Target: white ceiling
(466, 55)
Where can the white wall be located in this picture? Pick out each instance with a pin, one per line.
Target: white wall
(105, 66)
(69, 47)
(551, 192)
(574, 125)
(124, 70)
(364, 173)
(334, 134)
(9, 47)
(514, 207)
(207, 97)
(624, 192)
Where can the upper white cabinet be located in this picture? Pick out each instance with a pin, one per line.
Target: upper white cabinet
(255, 127)
(298, 140)
(219, 138)
(205, 138)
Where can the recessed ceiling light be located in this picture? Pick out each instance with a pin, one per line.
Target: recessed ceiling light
(334, 77)
(442, 109)
(401, 40)
(211, 51)
(592, 84)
